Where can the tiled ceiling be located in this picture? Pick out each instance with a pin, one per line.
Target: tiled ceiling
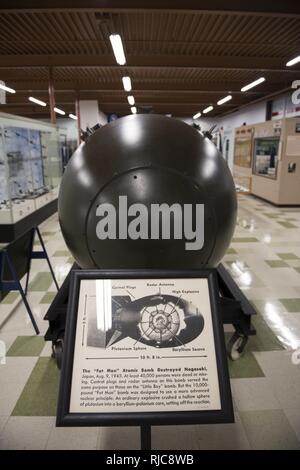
(180, 59)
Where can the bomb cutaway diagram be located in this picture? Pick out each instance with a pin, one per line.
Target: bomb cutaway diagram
(159, 320)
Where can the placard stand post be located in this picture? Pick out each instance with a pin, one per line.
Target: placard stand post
(145, 437)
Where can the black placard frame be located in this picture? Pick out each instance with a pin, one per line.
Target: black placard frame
(66, 418)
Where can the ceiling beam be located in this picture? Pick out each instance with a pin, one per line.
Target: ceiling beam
(249, 64)
(131, 43)
(25, 104)
(138, 92)
(39, 113)
(24, 109)
(121, 104)
(195, 86)
(200, 100)
(234, 7)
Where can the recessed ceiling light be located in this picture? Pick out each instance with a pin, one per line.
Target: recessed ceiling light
(59, 111)
(118, 49)
(133, 110)
(6, 88)
(253, 84)
(72, 116)
(293, 61)
(36, 101)
(224, 100)
(206, 110)
(197, 115)
(126, 83)
(130, 99)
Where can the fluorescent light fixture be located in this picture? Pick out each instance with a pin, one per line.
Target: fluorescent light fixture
(59, 111)
(133, 110)
(224, 100)
(131, 100)
(118, 49)
(197, 115)
(126, 83)
(36, 101)
(253, 84)
(206, 110)
(293, 61)
(72, 116)
(6, 88)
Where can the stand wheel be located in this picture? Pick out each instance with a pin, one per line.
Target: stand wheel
(236, 345)
(57, 351)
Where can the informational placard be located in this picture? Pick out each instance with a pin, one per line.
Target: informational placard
(144, 345)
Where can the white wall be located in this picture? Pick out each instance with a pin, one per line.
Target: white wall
(283, 106)
(90, 114)
(102, 118)
(251, 114)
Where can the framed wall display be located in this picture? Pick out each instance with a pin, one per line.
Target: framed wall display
(144, 347)
(243, 147)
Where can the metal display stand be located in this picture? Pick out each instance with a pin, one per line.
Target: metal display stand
(237, 311)
(10, 276)
(145, 437)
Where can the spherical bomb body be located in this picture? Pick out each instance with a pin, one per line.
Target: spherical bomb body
(150, 159)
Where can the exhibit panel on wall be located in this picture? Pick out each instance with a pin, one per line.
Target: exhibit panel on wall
(284, 107)
(242, 169)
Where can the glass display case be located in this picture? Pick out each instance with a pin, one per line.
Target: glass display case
(30, 166)
(266, 157)
(276, 168)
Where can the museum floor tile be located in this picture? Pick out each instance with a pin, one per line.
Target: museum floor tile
(264, 260)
